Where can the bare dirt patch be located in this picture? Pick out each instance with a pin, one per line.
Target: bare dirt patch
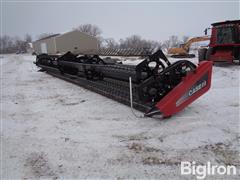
(39, 166)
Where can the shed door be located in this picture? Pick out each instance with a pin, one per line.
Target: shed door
(44, 48)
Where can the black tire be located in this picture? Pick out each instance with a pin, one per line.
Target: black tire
(209, 53)
(237, 54)
(202, 54)
(44, 59)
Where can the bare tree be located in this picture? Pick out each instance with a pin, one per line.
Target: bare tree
(28, 38)
(166, 44)
(154, 44)
(12, 44)
(4, 43)
(185, 39)
(135, 41)
(90, 29)
(110, 43)
(20, 45)
(174, 42)
(7, 44)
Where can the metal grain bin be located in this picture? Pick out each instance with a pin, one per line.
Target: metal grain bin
(45, 45)
(74, 41)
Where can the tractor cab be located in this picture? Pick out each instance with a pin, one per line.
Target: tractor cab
(224, 43)
(225, 33)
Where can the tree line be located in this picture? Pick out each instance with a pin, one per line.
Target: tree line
(133, 41)
(16, 44)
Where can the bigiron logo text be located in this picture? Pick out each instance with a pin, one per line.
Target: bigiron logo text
(202, 171)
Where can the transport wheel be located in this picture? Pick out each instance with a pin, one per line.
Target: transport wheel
(202, 54)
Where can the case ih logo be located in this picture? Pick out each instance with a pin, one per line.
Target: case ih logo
(195, 88)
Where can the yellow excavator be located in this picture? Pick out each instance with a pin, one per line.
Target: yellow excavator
(183, 50)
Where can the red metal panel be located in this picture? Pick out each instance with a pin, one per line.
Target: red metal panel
(221, 45)
(192, 87)
(222, 55)
(213, 38)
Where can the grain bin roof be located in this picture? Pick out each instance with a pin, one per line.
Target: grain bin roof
(58, 34)
(226, 22)
(53, 35)
(80, 32)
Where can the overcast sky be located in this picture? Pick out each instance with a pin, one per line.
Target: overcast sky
(151, 20)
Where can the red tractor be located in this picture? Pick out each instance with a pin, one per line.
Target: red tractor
(224, 43)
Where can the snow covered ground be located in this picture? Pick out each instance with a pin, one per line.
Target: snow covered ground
(55, 129)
